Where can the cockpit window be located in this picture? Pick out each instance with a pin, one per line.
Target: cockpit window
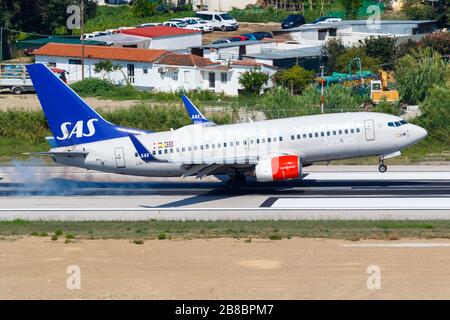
(397, 124)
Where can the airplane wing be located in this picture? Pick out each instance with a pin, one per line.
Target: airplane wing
(195, 114)
(58, 153)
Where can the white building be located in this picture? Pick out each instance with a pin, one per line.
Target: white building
(154, 37)
(352, 31)
(148, 69)
(233, 50)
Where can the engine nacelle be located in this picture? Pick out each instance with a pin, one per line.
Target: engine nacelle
(278, 168)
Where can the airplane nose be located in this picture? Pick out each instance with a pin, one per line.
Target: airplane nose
(419, 133)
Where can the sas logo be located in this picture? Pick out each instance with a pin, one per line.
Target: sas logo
(77, 130)
(196, 116)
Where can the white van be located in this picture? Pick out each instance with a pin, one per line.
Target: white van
(220, 20)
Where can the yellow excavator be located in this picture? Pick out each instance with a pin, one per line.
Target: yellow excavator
(380, 89)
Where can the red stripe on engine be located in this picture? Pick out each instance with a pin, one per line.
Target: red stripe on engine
(285, 167)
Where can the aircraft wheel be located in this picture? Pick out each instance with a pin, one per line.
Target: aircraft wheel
(382, 168)
(235, 182)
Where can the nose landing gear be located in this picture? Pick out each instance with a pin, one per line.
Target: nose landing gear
(382, 167)
(235, 182)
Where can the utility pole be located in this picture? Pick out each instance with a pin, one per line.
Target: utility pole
(1, 44)
(322, 99)
(82, 39)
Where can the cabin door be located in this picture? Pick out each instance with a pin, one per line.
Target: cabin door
(120, 158)
(369, 130)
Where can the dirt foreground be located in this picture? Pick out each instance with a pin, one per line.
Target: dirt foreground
(224, 268)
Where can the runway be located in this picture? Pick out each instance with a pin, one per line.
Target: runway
(327, 192)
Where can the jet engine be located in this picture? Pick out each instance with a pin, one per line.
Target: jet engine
(278, 168)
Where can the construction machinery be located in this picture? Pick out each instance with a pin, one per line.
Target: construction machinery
(382, 89)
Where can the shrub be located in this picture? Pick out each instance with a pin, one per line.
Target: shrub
(58, 233)
(92, 87)
(162, 236)
(275, 236)
(438, 41)
(253, 81)
(332, 49)
(418, 72)
(367, 62)
(138, 241)
(388, 107)
(295, 78)
(54, 237)
(383, 49)
(69, 236)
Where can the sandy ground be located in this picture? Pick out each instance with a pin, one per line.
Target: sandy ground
(223, 268)
(30, 101)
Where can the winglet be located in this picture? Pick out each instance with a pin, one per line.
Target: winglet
(195, 114)
(142, 151)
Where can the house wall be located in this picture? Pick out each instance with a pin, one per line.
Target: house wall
(177, 43)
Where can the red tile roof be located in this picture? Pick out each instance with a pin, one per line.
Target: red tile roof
(100, 52)
(158, 31)
(191, 60)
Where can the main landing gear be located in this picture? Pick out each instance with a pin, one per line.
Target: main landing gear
(235, 182)
(382, 167)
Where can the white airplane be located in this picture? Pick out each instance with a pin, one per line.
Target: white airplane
(270, 150)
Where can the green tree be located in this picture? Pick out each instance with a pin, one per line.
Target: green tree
(295, 78)
(417, 72)
(332, 49)
(383, 49)
(351, 8)
(253, 81)
(143, 8)
(367, 62)
(106, 67)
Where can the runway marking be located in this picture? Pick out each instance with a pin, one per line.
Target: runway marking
(364, 203)
(397, 245)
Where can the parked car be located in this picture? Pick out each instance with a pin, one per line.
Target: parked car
(292, 21)
(250, 36)
(263, 34)
(239, 38)
(326, 19)
(219, 41)
(179, 24)
(207, 26)
(220, 20)
(149, 24)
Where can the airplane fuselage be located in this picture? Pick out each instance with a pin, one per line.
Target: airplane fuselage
(313, 138)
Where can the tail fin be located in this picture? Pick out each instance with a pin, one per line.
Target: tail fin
(195, 114)
(71, 120)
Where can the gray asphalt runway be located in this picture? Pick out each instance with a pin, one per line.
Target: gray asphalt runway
(325, 193)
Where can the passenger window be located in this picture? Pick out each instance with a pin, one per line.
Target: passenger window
(328, 133)
(340, 131)
(219, 145)
(252, 141)
(224, 144)
(310, 135)
(352, 131)
(281, 138)
(165, 151)
(316, 134)
(304, 136)
(298, 136)
(207, 146)
(346, 131)
(154, 152)
(189, 149)
(357, 130)
(178, 149)
(160, 151)
(244, 142)
(195, 147)
(183, 149)
(334, 133)
(292, 137)
(269, 140)
(322, 134)
(171, 150)
(263, 140)
(213, 146)
(201, 147)
(257, 140)
(275, 139)
(231, 143)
